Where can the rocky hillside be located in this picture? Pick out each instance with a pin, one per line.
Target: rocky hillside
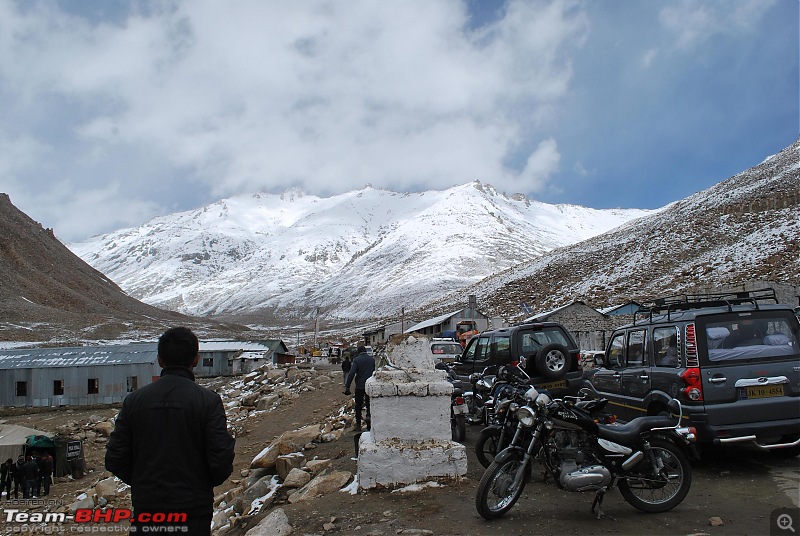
(746, 228)
(48, 294)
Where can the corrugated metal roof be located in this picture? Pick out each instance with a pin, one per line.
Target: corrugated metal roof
(131, 353)
(432, 322)
(79, 356)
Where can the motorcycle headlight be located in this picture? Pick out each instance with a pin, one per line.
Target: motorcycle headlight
(525, 416)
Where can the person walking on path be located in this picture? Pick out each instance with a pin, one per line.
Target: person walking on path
(361, 370)
(346, 364)
(171, 443)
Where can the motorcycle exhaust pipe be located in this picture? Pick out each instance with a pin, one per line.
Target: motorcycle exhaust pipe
(631, 462)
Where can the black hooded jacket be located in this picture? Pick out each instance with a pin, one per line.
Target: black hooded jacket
(171, 444)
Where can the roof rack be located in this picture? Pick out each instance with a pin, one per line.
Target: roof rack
(687, 302)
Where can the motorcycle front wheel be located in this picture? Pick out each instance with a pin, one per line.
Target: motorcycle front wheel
(652, 490)
(487, 446)
(496, 492)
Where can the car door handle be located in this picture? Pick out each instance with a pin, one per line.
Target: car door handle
(718, 379)
(644, 377)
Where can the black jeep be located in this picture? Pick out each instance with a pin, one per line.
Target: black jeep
(548, 350)
(731, 359)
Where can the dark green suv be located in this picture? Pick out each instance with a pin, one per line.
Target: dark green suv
(732, 359)
(547, 349)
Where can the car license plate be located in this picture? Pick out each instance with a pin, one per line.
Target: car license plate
(762, 391)
(553, 385)
(458, 409)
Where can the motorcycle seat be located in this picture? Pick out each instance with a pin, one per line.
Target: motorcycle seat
(630, 432)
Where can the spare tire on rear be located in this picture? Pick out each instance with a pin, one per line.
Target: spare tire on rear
(552, 361)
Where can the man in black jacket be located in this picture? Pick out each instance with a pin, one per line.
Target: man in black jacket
(171, 442)
(362, 368)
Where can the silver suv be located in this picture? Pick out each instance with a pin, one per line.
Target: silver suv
(733, 360)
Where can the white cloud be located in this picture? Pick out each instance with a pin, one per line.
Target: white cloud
(695, 21)
(327, 95)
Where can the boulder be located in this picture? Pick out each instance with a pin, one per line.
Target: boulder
(104, 428)
(297, 478)
(322, 485)
(276, 523)
(285, 463)
(106, 488)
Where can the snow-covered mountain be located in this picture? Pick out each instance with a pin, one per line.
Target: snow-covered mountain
(359, 255)
(743, 230)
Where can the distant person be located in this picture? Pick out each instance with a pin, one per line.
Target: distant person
(7, 470)
(46, 473)
(19, 477)
(361, 370)
(30, 473)
(346, 364)
(171, 442)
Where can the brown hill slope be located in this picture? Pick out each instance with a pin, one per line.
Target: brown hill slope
(48, 294)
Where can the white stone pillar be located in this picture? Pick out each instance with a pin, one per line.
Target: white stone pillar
(410, 410)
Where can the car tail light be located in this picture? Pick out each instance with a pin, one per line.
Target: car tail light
(691, 347)
(459, 400)
(694, 384)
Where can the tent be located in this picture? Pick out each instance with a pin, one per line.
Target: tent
(67, 453)
(13, 440)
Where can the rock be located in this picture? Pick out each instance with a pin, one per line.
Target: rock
(317, 466)
(106, 488)
(87, 502)
(285, 463)
(274, 524)
(715, 521)
(250, 399)
(266, 402)
(321, 485)
(297, 478)
(104, 428)
(259, 489)
(288, 442)
(276, 376)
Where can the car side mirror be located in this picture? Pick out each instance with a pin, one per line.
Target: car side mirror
(599, 360)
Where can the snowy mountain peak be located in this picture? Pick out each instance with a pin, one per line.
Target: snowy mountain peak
(358, 255)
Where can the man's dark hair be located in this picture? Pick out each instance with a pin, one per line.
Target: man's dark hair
(178, 347)
(362, 349)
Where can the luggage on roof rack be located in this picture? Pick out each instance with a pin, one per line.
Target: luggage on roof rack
(686, 302)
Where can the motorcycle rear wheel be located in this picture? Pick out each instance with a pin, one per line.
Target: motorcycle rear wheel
(496, 495)
(642, 488)
(459, 428)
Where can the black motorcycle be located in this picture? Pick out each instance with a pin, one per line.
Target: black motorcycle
(482, 385)
(647, 458)
(502, 422)
(458, 405)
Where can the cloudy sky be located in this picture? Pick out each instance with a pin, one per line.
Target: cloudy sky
(113, 112)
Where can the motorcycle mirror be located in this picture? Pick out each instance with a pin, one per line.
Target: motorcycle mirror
(531, 394)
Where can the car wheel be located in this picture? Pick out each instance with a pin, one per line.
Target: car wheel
(552, 361)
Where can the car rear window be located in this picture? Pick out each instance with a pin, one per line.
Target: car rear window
(531, 340)
(751, 336)
(446, 348)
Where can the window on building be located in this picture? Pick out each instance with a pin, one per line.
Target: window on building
(58, 387)
(133, 383)
(93, 386)
(21, 388)
(208, 361)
